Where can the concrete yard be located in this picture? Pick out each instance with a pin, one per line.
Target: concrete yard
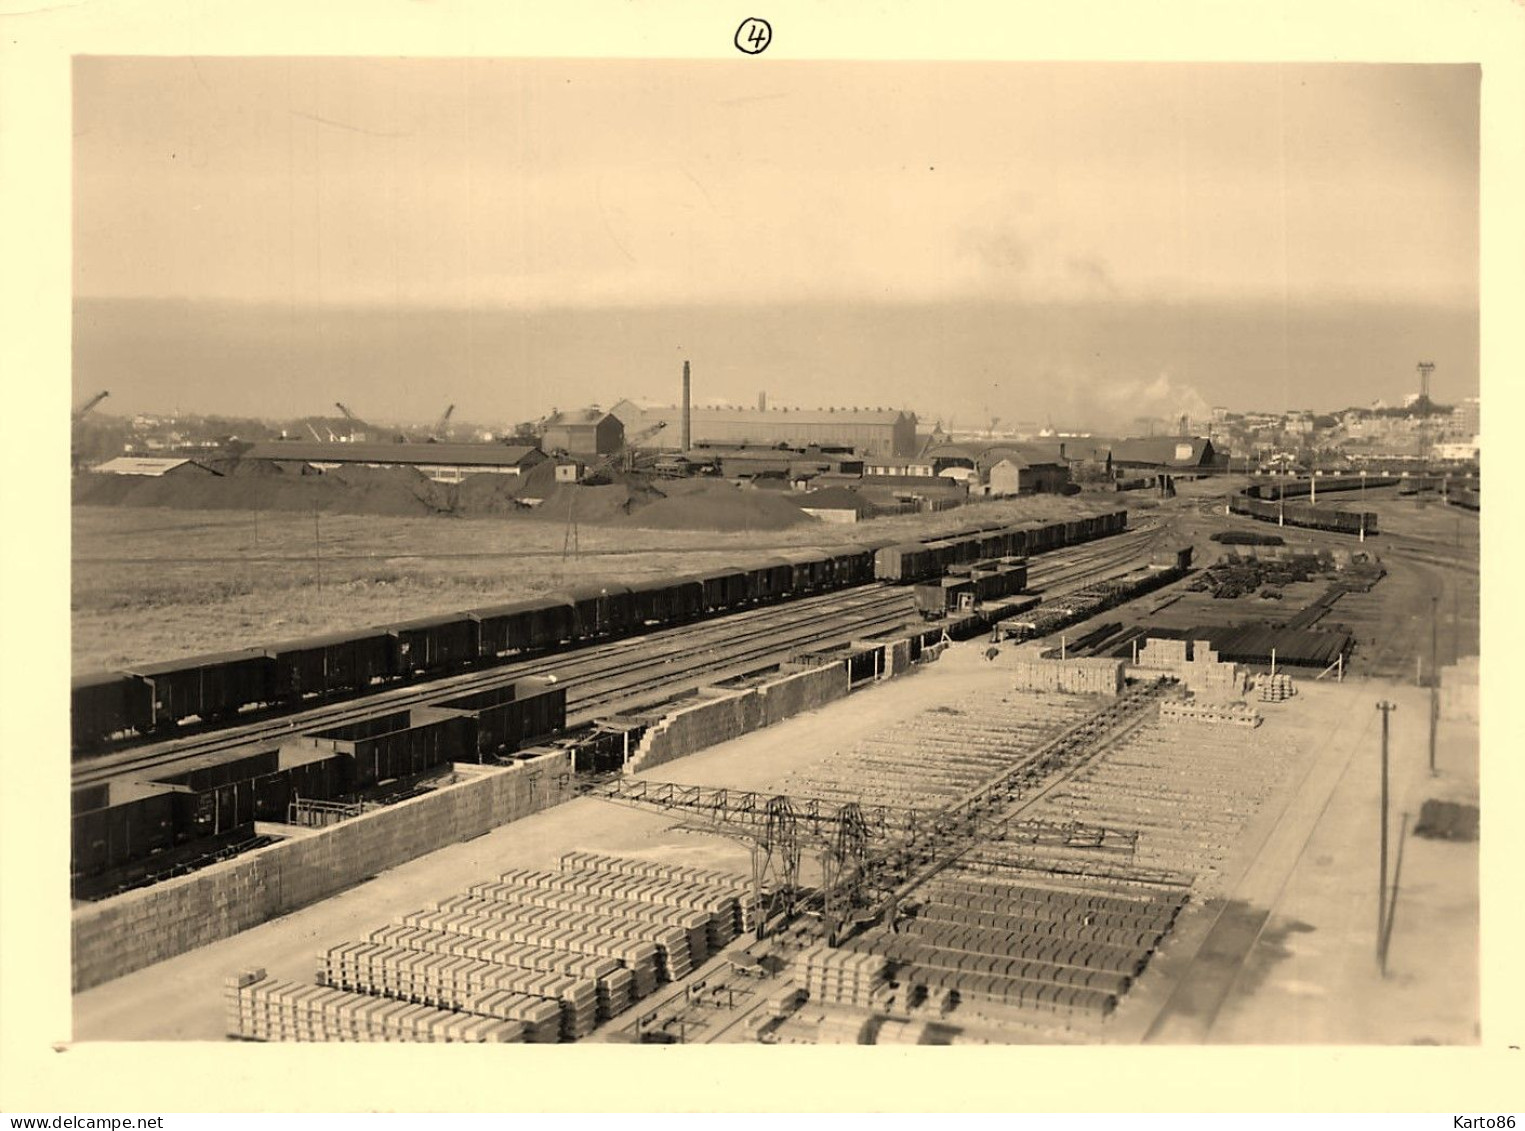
(1280, 951)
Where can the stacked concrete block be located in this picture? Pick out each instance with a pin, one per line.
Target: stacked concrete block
(1162, 655)
(718, 906)
(673, 959)
(1095, 676)
(138, 928)
(1211, 714)
(261, 1009)
(840, 977)
(613, 983)
(739, 887)
(639, 957)
(1276, 688)
(694, 924)
(550, 1006)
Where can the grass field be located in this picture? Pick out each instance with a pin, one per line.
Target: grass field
(156, 584)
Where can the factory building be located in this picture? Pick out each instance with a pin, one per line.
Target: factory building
(584, 432)
(870, 432)
(444, 463)
(1004, 469)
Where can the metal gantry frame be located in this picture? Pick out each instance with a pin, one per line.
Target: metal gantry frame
(873, 856)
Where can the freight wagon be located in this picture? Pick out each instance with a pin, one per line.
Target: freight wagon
(109, 703)
(522, 626)
(154, 698)
(1305, 516)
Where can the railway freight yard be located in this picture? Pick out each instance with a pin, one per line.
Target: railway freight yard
(1099, 778)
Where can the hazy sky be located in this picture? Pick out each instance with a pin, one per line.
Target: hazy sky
(520, 185)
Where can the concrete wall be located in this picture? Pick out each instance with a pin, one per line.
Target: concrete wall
(138, 928)
(722, 716)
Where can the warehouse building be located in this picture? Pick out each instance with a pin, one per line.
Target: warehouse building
(1165, 453)
(444, 463)
(585, 432)
(1004, 469)
(869, 432)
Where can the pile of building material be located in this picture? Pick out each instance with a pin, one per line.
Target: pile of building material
(466, 985)
(1212, 714)
(262, 1009)
(551, 953)
(1078, 677)
(1276, 688)
(1196, 665)
(840, 977)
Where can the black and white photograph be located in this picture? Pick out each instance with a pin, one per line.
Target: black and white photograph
(771, 548)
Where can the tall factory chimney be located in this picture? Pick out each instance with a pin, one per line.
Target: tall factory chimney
(685, 437)
(762, 401)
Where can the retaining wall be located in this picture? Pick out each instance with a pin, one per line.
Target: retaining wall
(722, 716)
(138, 928)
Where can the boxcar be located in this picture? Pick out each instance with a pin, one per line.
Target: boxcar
(907, 562)
(812, 571)
(208, 687)
(852, 566)
(431, 645)
(599, 611)
(725, 589)
(137, 820)
(768, 579)
(107, 703)
(522, 626)
(330, 664)
(666, 600)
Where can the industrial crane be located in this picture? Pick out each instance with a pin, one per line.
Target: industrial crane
(439, 425)
(85, 409)
(874, 856)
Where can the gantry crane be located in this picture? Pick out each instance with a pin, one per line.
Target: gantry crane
(873, 857)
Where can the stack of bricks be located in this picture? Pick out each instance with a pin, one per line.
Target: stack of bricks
(840, 977)
(694, 924)
(1192, 711)
(640, 958)
(1208, 678)
(613, 983)
(1276, 688)
(1094, 676)
(728, 882)
(719, 906)
(549, 1006)
(262, 1009)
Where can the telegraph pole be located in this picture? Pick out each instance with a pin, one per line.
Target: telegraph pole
(1434, 675)
(1386, 708)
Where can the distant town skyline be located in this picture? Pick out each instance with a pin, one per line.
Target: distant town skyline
(1083, 242)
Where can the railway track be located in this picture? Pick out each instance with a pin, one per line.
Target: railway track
(619, 674)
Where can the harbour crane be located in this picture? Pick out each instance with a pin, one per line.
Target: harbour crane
(85, 409)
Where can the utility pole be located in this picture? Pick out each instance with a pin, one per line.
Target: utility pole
(1434, 675)
(317, 551)
(1386, 708)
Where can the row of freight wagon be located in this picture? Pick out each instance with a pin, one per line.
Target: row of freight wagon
(157, 698)
(221, 795)
(1267, 502)
(967, 586)
(910, 562)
